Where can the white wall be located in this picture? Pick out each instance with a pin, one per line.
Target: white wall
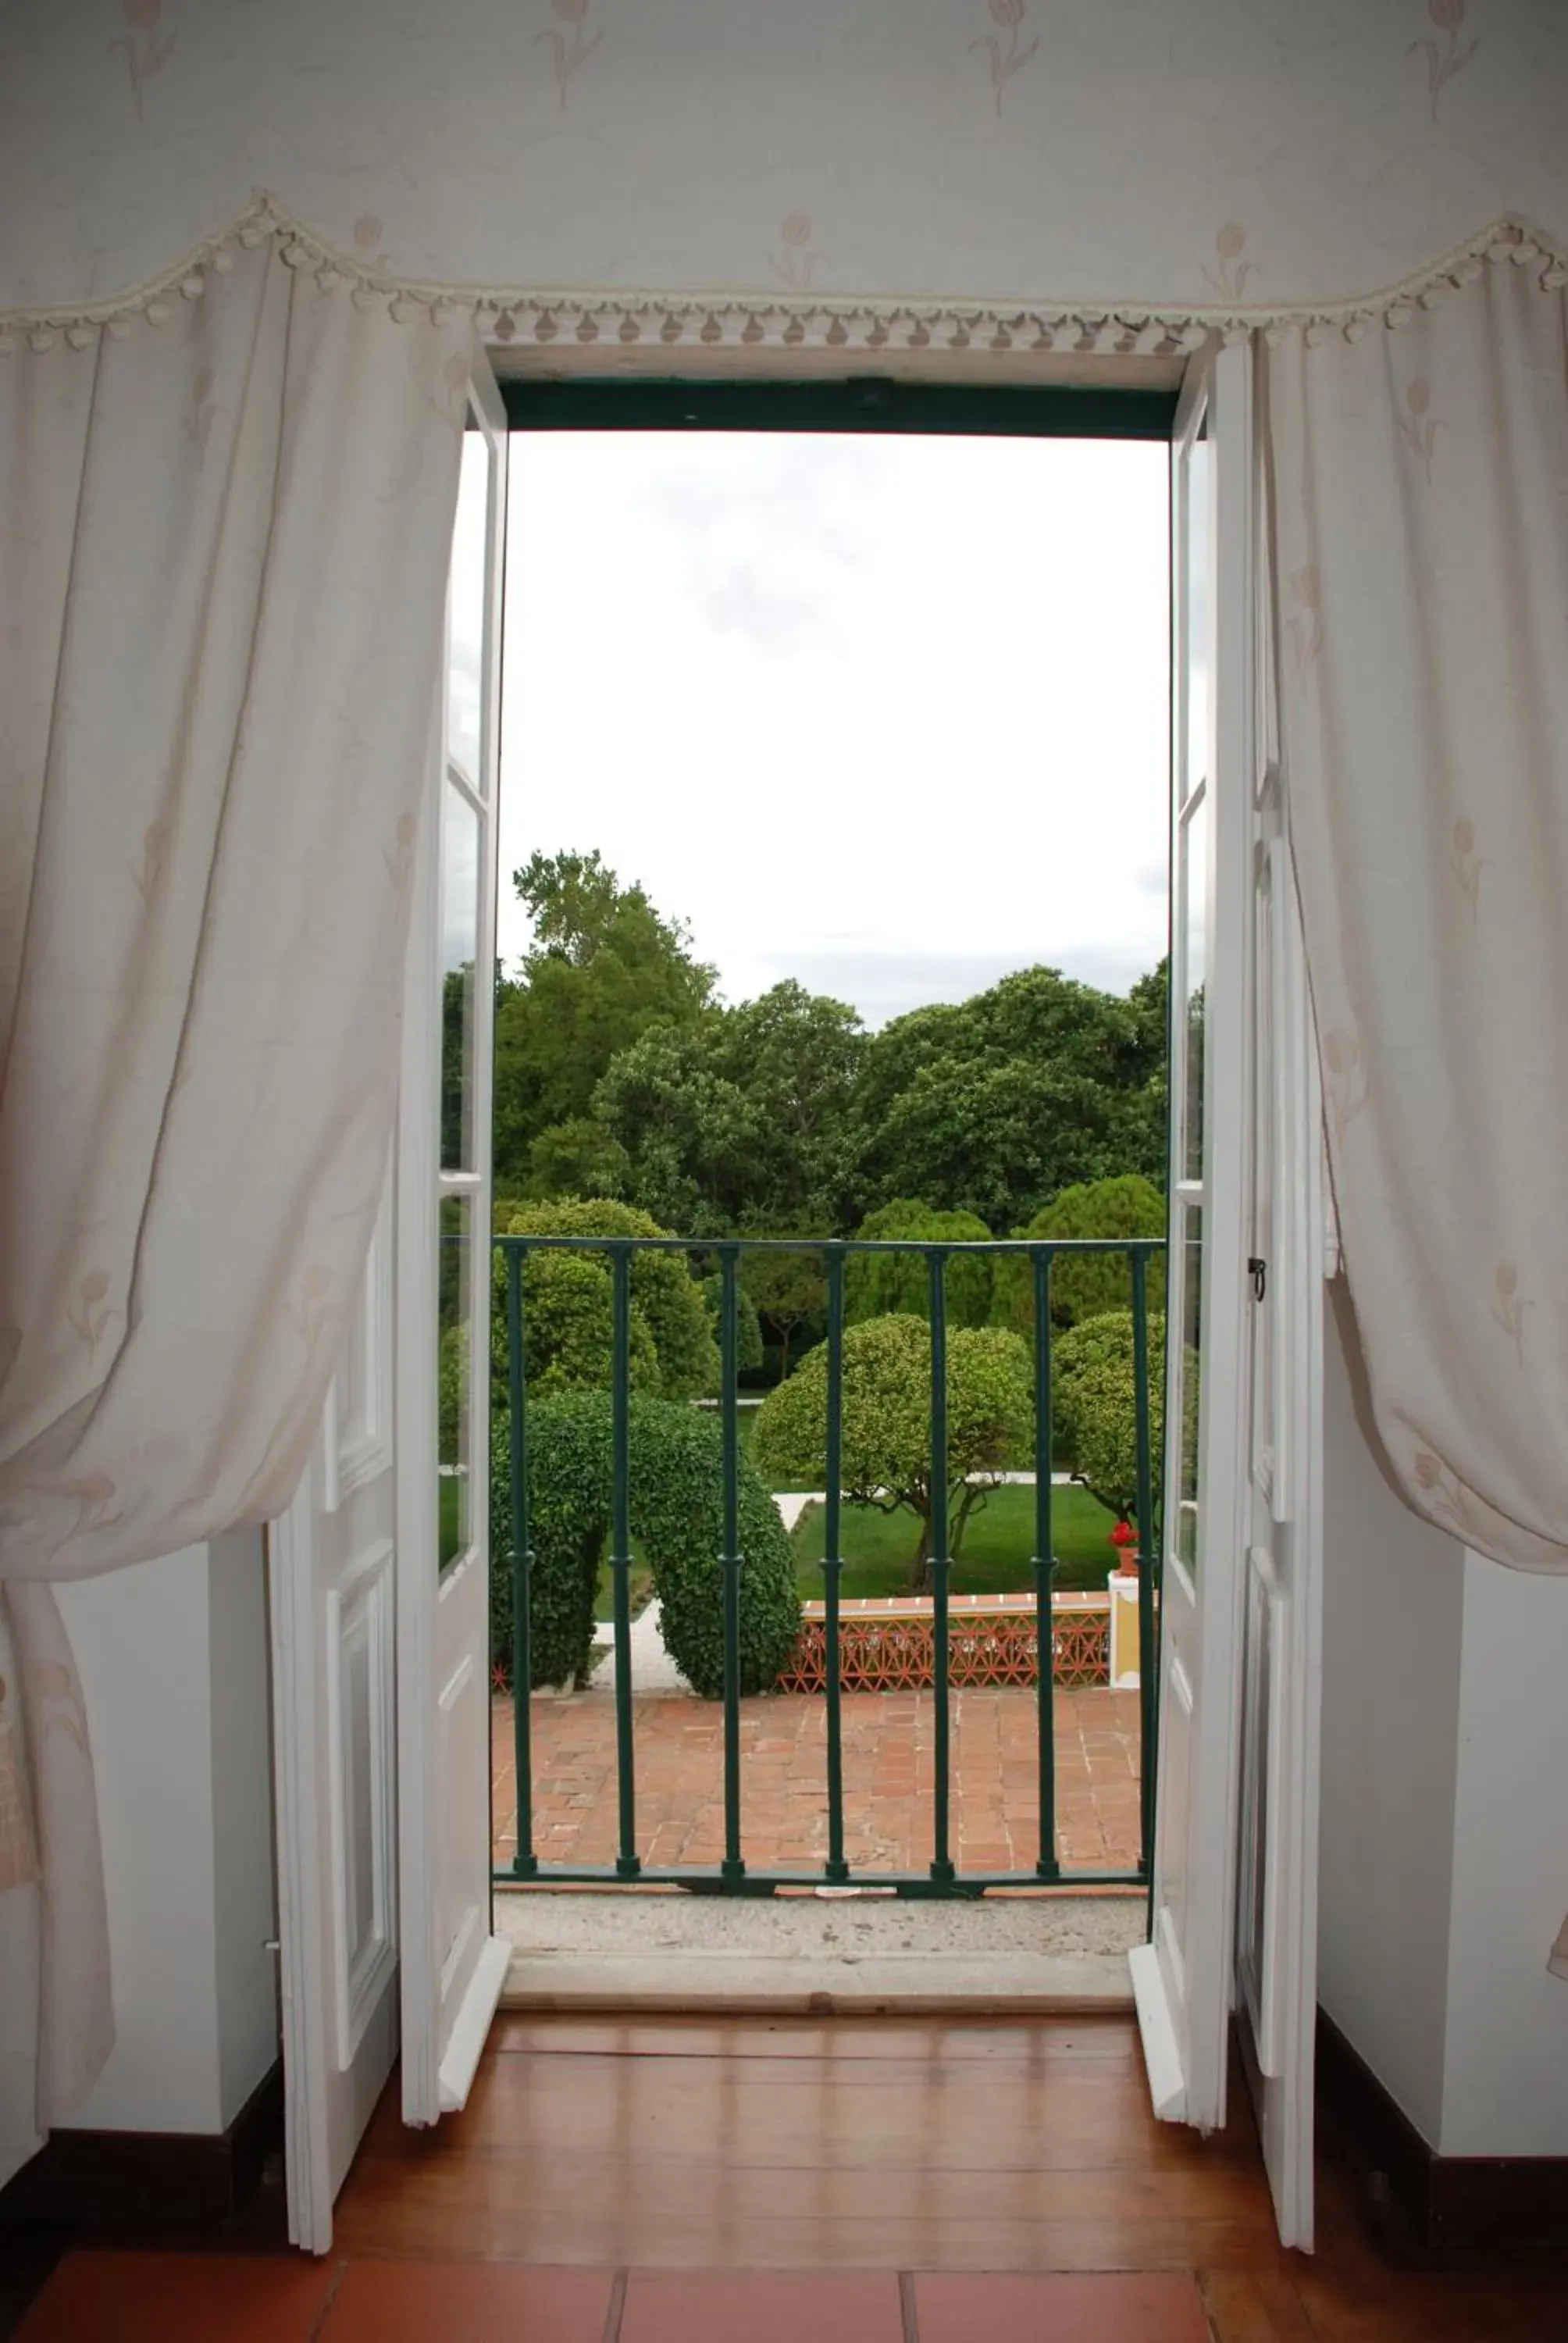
(1444, 1829)
(173, 1659)
(1505, 2079)
(1122, 146)
(245, 1903)
(1394, 1617)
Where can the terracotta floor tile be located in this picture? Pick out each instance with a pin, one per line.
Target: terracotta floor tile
(1099, 2308)
(760, 2306)
(180, 2298)
(466, 2302)
(888, 1778)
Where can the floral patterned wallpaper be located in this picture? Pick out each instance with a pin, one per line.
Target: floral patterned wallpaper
(1156, 150)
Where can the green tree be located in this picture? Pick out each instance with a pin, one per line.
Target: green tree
(992, 1106)
(578, 1158)
(687, 1132)
(788, 1291)
(1095, 1395)
(796, 1056)
(879, 1285)
(604, 968)
(748, 1352)
(744, 1118)
(665, 1295)
(886, 1458)
(1145, 1140)
(1086, 1287)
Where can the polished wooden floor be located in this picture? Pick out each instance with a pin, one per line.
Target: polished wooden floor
(889, 2146)
(695, 2180)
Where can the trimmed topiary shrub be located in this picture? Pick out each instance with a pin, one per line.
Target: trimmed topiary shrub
(886, 1284)
(569, 1471)
(749, 1350)
(677, 1511)
(886, 1458)
(568, 1318)
(1098, 1282)
(676, 1517)
(1096, 1407)
(663, 1289)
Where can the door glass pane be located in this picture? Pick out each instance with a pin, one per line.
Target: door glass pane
(1195, 905)
(460, 948)
(1196, 587)
(1191, 1222)
(455, 1376)
(466, 611)
(1265, 1117)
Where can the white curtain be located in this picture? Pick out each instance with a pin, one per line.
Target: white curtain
(1421, 489)
(224, 523)
(1421, 481)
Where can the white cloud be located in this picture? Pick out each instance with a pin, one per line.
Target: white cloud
(889, 715)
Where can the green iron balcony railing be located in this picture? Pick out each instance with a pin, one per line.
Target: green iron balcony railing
(942, 1876)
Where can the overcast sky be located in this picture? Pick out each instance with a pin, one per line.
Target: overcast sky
(885, 715)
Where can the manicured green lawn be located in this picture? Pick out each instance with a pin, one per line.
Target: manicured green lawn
(998, 1547)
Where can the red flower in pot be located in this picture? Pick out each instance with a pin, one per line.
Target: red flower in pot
(1124, 1538)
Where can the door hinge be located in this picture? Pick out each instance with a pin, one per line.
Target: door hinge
(1258, 1270)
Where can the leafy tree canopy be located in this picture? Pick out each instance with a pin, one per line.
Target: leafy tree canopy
(992, 1105)
(745, 1118)
(789, 1290)
(618, 1073)
(604, 968)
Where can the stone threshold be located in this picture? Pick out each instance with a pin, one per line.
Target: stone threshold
(753, 1985)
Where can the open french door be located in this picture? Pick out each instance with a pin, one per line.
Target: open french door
(1238, 1577)
(331, 1567)
(453, 1966)
(1281, 1623)
(379, 1570)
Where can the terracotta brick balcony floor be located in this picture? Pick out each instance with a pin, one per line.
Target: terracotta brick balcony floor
(887, 1780)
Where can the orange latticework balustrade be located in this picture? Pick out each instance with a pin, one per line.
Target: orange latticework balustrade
(889, 1645)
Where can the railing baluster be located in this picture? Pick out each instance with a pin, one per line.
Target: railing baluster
(525, 1863)
(732, 1867)
(1148, 1661)
(838, 1869)
(625, 1863)
(940, 1564)
(1048, 1865)
(943, 1874)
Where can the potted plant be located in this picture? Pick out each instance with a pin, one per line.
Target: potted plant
(1124, 1538)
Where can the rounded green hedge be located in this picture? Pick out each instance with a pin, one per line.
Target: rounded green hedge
(1086, 1286)
(664, 1292)
(894, 1284)
(676, 1517)
(1097, 1409)
(568, 1320)
(749, 1350)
